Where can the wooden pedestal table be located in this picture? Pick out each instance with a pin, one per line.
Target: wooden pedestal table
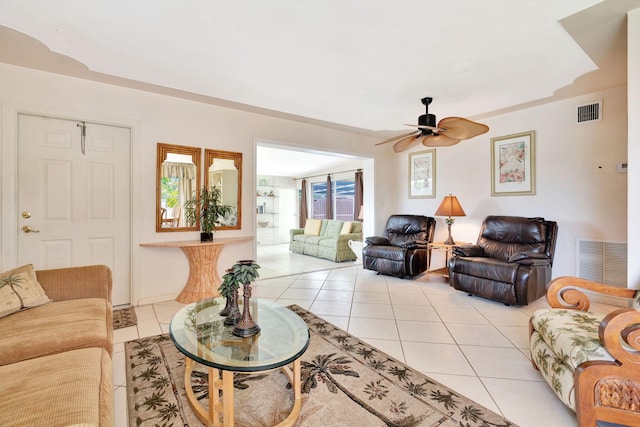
(448, 250)
(197, 330)
(203, 280)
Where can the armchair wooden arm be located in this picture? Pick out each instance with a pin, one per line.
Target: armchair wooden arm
(611, 390)
(564, 292)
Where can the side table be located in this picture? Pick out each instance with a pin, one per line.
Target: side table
(448, 250)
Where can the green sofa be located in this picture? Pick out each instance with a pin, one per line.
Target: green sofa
(331, 243)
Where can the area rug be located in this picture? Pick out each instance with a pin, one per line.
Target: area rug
(345, 382)
(124, 317)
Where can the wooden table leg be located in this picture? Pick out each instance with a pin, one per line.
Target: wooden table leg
(203, 280)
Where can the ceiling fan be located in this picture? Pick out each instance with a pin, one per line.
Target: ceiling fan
(449, 131)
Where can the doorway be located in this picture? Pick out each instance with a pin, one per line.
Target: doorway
(279, 168)
(74, 196)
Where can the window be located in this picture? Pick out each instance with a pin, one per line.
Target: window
(342, 199)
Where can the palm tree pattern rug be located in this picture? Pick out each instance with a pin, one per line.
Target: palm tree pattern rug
(345, 382)
(124, 317)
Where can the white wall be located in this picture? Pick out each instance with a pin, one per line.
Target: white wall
(633, 76)
(158, 273)
(587, 202)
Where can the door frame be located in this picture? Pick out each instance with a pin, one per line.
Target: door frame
(9, 191)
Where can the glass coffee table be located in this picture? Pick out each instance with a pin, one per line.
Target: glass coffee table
(197, 330)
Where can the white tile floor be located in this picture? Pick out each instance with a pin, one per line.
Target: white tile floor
(475, 346)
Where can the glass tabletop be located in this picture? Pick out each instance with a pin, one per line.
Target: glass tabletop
(198, 332)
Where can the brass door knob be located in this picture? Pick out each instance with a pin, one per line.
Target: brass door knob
(27, 229)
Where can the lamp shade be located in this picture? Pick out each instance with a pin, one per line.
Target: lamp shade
(450, 206)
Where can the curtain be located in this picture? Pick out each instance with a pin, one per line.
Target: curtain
(358, 201)
(304, 210)
(186, 173)
(329, 214)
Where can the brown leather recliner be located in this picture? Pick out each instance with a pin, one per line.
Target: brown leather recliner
(511, 261)
(402, 250)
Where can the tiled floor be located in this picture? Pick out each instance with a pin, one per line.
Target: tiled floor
(475, 346)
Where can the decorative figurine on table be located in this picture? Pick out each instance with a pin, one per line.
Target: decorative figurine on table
(229, 290)
(246, 271)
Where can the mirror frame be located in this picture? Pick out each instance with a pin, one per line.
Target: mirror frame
(163, 150)
(209, 157)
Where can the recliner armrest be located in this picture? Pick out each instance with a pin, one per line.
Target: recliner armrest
(415, 244)
(528, 258)
(377, 240)
(468, 251)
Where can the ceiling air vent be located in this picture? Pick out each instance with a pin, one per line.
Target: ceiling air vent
(589, 112)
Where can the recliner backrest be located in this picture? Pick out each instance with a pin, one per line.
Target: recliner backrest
(403, 228)
(502, 236)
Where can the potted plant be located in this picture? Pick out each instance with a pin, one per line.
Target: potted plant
(207, 209)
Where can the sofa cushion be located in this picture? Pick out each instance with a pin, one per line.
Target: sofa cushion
(312, 226)
(69, 388)
(19, 290)
(56, 327)
(571, 333)
(333, 228)
(346, 227)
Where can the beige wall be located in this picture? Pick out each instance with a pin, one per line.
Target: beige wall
(586, 201)
(633, 76)
(157, 273)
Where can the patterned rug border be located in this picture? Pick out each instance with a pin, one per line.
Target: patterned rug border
(124, 317)
(453, 408)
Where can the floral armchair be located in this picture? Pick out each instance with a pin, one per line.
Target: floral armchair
(590, 360)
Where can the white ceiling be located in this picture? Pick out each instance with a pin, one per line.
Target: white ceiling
(360, 63)
(363, 64)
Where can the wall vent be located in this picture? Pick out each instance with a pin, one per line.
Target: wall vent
(591, 112)
(602, 262)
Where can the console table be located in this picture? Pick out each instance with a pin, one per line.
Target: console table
(203, 280)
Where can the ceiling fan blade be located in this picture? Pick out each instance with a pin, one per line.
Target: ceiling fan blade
(406, 143)
(433, 128)
(438, 140)
(395, 138)
(459, 128)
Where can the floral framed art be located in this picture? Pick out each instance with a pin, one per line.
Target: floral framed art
(422, 175)
(513, 166)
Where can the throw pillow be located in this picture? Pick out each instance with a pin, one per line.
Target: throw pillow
(312, 227)
(19, 290)
(346, 228)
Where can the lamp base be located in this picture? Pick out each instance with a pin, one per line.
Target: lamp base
(449, 241)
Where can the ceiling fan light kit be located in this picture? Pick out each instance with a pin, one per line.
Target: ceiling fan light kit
(449, 131)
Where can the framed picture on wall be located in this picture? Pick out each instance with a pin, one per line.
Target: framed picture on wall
(422, 175)
(513, 166)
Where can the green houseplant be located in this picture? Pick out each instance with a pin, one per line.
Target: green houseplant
(207, 208)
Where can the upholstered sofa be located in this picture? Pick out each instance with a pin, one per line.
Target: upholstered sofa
(55, 357)
(326, 238)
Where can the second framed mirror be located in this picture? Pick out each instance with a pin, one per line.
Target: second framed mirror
(223, 170)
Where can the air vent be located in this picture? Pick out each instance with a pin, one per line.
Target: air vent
(589, 112)
(603, 262)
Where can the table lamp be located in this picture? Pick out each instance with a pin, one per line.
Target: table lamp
(450, 207)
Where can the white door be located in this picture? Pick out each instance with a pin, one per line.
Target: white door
(75, 197)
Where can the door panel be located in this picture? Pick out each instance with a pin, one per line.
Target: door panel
(79, 203)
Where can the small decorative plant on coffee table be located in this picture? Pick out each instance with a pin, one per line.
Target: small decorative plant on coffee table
(207, 208)
(229, 290)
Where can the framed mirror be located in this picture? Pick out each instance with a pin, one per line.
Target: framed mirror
(177, 180)
(223, 170)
